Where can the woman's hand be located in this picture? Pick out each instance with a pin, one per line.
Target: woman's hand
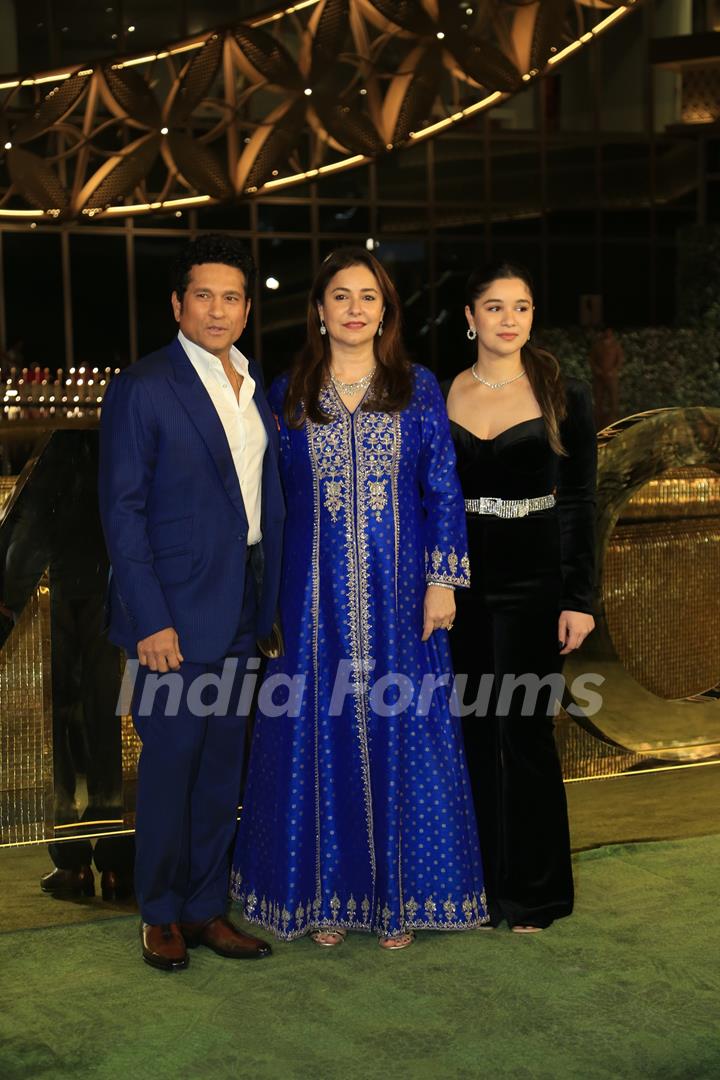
(573, 628)
(439, 609)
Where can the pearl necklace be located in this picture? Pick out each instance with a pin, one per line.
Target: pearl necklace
(352, 388)
(494, 385)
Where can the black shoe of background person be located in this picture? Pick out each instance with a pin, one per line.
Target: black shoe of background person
(78, 882)
(116, 885)
(223, 938)
(163, 947)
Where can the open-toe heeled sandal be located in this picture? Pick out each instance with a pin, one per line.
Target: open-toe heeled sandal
(328, 938)
(393, 942)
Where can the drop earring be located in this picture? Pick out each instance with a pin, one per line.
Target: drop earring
(323, 327)
(471, 333)
(380, 329)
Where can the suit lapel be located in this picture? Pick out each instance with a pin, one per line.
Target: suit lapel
(188, 387)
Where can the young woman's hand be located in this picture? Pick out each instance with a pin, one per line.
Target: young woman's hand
(573, 628)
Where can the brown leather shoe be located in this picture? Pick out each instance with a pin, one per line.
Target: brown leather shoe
(222, 937)
(116, 886)
(163, 946)
(80, 882)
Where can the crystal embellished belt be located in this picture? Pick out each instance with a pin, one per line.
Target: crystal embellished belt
(509, 508)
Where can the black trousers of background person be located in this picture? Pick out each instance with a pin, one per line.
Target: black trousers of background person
(513, 762)
(86, 730)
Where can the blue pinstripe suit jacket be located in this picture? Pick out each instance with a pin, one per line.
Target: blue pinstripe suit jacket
(173, 513)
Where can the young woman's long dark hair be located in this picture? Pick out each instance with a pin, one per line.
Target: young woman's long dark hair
(392, 385)
(543, 369)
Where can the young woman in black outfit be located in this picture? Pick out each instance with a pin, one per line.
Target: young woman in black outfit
(526, 451)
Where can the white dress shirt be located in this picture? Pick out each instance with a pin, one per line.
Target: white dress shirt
(241, 420)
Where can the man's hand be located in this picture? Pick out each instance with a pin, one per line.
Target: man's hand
(160, 651)
(439, 610)
(573, 628)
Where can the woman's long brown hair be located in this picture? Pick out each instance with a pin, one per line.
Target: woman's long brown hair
(543, 369)
(392, 385)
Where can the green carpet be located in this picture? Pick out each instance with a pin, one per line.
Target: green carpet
(629, 987)
(654, 805)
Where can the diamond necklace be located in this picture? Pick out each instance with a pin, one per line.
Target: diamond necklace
(352, 388)
(494, 385)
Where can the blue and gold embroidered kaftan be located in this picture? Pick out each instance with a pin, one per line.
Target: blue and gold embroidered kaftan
(358, 819)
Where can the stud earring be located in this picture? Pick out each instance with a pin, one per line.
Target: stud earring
(471, 333)
(323, 327)
(380, 329)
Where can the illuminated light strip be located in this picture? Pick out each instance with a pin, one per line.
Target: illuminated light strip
(186, 48)
(81, 824)
(565, 52)
(147, 59)
(432, 128)
(23, 213)
(612, 17)
(187, 200)
(469, 111)
(358, 159)
(484, 103)
(283, 180)
(136, 60)
(58, 77)
(281, 14)
(601, 27)
(152, 57)
(122, 211)
(296, 178)
(65, 839)
(142, 208)
(47, 78)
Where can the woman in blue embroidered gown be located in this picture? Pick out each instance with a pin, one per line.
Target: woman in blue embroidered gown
(357, 812)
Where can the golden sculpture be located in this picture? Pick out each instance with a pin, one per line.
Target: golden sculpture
(657, 644)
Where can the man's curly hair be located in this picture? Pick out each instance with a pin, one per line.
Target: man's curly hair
(213, 248)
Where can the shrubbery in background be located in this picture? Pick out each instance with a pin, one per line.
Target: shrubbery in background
(664, 367)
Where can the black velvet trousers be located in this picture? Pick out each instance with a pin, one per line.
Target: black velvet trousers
(507, 626)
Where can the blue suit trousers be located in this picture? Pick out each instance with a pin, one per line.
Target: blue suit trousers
(189, 778)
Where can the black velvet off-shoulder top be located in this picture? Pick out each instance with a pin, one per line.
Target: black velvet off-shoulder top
(519, 463)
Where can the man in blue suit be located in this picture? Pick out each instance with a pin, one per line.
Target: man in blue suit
(192, 510)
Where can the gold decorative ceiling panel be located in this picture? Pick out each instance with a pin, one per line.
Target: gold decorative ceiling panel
(299, 93)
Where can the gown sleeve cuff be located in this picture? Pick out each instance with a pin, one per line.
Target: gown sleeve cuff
(447, 568)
